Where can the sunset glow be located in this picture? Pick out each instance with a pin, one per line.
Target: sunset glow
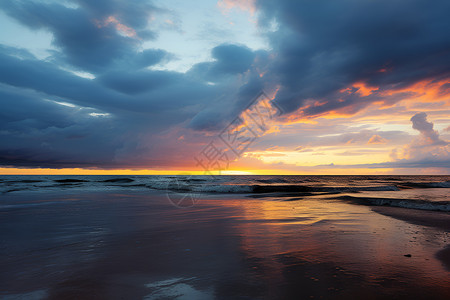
(143, 90)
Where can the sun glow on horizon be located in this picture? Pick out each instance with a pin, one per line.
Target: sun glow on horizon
(335, 170)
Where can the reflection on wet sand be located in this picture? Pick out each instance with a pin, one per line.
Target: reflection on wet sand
(137, 246)
(332, 249)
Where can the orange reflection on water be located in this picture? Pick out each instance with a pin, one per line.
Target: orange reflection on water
(327, 240)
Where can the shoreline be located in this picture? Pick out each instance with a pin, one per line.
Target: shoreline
(434, 219)
(107, 245)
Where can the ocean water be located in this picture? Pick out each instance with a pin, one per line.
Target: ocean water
(414, 192)
(244, 237)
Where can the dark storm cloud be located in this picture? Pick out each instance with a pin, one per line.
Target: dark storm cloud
(148, 57)
(237, 65)
(88, 35)
(232, 59)
(122, 118)
(228, 60)
(137, 82)
(225, 109)
(323, 46)
(37, 131)
(37, 114)
(40, 132)
(46, 77)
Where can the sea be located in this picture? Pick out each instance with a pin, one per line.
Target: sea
(224, 237)
(409, 191)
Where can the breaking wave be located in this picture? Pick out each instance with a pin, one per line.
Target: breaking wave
(405, 203)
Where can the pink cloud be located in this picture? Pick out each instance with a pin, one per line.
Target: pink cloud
(245, 5)
(123, 29)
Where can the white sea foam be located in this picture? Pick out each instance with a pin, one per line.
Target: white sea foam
(176, 288)
(414, 204)
(405, 203)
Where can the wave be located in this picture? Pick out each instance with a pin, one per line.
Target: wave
(119, 180)
(304, 188)
(24, 181)
(405, 203)
(274, 180)
(271, 186)
(70, 180)
(225, 189)
(425, 185)
(195, 180)
(263, 189)
(15, 190)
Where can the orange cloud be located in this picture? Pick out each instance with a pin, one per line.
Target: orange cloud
(364, 90)
(376, 139)
(422, 93)
(426, 90)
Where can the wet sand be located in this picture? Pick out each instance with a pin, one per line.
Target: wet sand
(440, 220)
(137, 246)
(435, 219)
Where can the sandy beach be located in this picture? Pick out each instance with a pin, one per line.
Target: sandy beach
(136, 245)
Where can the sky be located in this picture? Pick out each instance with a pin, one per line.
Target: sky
(143, 87)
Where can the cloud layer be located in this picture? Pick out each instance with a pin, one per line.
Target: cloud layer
(103, 100)
(325, 46)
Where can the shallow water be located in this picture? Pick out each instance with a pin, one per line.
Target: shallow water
(137, 245)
